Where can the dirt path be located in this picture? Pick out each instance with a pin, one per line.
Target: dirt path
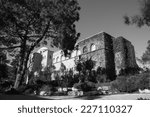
(102, 97)
(125, 97)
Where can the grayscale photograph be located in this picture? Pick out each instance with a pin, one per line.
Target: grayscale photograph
(74, 50)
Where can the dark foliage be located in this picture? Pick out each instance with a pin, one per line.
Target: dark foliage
(37, 87)
(131, 83)
(27, 24)
(129, 71)
(12, 91)
(142, 98)
(85, 86)
(146, 54)
(3, 71)
(101, 75)
(84, 67)
(141, 19)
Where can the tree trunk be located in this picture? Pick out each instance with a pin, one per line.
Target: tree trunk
(21, 64)
(17, 82)
(25, 66)
(18, 76)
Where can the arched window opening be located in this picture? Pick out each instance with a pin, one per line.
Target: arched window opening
(62, 58)
(92, 47)
(85, 50)
(57, 59)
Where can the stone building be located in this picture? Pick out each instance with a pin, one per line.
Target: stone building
(47, 57)
(41, 59)
(108, 52)
(124, 54)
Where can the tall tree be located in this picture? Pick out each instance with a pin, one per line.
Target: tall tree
(143, 18)
(25, 24)
(84, 67)
(146, 54)
(89, 65)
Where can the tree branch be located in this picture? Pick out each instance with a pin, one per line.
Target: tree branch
(40, 39)
(6, 48)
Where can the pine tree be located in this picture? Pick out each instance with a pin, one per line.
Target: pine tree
(25, 24)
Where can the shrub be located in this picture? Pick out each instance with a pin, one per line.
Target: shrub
(45, 88)
(28, 89)
(144, 81)
(40, 86)
(119, 84)
(31, 88)
(129, 71)
(12, 91)
(131, 83)
(67, 80)
(143, 98)
(40, 82)
(101, 78)
(85, 86)
(3, 71)
(6, 84)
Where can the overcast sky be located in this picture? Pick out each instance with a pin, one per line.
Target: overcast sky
(107, 15)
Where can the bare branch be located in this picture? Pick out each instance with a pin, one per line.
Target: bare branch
(6, 48)
(40, 39)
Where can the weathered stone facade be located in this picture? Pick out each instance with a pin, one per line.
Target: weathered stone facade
(103, 53)
(41, 59)
(124, 54)
(108, 52)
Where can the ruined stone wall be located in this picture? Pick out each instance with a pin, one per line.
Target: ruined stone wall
(97, 40)
(109, 56)
(103, 55)
(131, 56)
(110, 53)
(119, 51)
(124, 54)
(50, 58)
(98, 56)
(36, 63)
(69, 63)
